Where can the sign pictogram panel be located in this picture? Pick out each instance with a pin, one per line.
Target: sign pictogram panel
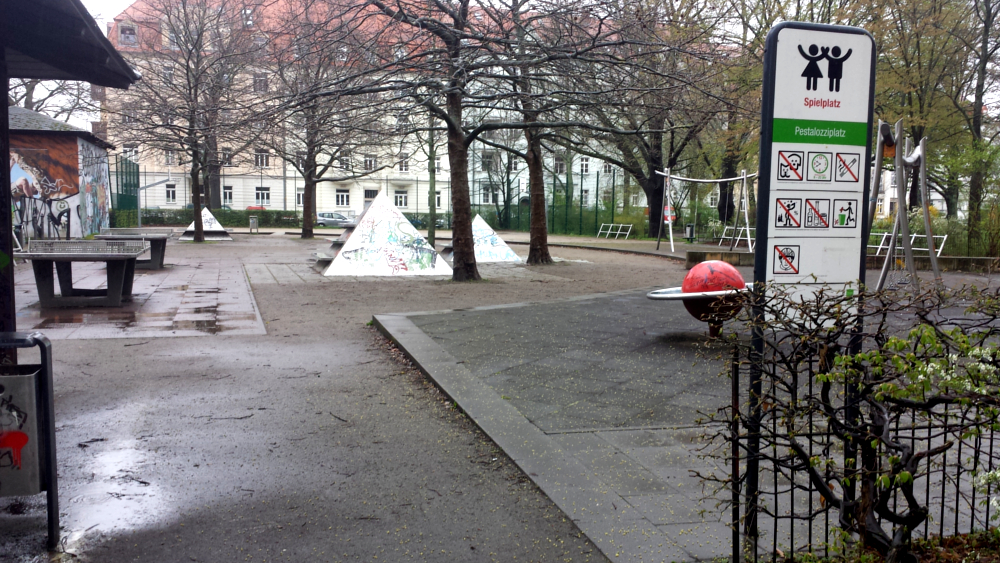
(786, 259)
(788, 213)
(848, 167)
(820, 167)
(817, 214)
(845, 213)
(789, 166)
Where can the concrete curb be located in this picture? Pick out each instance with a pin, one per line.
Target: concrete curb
(582, 497)
(619, 250)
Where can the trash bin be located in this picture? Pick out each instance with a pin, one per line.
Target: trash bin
(689, 232)
(27, 427)
(254, 228)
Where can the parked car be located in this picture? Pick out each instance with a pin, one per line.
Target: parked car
(256, 208)
(329, 219)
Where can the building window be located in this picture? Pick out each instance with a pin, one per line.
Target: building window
(262, 158)
(227, 195)
(608, 168)
(260, 42)
(437, 200)
(584, 165)
(401, 199)
(262, 196)
(168, 74)
(370, 194)
(298, 197)
(402, 123)
(490, 193)
(558, 166)
(512, 164)
(260, 83)
(489, 161)
(344, 161)
(437, 163)
(301, 157)
(404, 162)
(584, 196)
(127, 36)
(226, 157)
(713, 199)
(370, 162)
(343, 198)
(248, 17)
(169, 157)
(130, 151)
(172, 39)
(171, 193)
(130, 115)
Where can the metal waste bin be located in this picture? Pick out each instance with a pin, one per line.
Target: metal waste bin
(27, 427)
(689, 232)
(254, 228)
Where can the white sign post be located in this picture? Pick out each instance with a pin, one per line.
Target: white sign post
(815, 158)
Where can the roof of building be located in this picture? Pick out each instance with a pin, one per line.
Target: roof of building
(59, 40)
(24, 121)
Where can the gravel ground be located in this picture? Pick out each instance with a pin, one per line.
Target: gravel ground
(316, 442)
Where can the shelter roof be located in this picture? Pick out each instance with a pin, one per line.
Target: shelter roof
(26, 121)
(59, 40)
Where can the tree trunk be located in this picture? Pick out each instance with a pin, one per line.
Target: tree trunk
(199, 229)
(653, 188)
(308, 204)
(538, 247)
(464, 257)
(431, 184)
(727, 206)
(914, 196)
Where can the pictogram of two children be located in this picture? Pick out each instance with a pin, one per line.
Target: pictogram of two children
(834, 70)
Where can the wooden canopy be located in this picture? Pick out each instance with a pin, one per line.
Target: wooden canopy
(59, 40)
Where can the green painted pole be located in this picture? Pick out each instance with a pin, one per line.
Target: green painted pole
(614, 199)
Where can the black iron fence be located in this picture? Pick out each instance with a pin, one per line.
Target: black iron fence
(782, 451)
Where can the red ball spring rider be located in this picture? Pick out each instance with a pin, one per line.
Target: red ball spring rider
(708, 293)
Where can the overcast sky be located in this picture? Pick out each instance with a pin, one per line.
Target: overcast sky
(106, 10)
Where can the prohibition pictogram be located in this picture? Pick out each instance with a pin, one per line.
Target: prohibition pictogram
(789, 166)
(788, 213)
(786, 259)
(848, 167)
(817, 214)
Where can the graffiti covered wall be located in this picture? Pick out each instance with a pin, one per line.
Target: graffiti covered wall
(95, 193)
(45, 185)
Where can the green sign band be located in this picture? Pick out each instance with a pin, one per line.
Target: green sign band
(820, 132)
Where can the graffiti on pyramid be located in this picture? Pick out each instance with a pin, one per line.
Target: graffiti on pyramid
(489, 247)
(385, 243)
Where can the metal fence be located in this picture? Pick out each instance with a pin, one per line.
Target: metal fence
(125, 194)
(777, 511)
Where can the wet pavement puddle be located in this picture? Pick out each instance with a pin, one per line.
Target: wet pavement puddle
(188, 298)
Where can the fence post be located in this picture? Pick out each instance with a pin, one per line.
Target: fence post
(735, 431)
(580, 228)
(614, 199)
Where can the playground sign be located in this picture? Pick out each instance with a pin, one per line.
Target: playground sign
(816, 125)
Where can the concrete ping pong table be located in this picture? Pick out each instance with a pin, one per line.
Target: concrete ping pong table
(157, 238)
(119, 255)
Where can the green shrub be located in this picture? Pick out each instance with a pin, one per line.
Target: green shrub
(227, 218)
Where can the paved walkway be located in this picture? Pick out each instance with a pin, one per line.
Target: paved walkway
(597, 399)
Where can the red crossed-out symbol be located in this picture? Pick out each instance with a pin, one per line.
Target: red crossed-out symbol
(788, 213)
(818, 214)
(847, 166)
(787, 260)
(790, 167)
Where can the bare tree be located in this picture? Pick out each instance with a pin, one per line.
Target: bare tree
(59, 99)
(198, 87)
(318, 61)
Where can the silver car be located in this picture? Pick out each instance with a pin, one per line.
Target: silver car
(332, 220)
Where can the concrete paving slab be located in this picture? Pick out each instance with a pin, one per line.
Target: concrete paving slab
(602, 394)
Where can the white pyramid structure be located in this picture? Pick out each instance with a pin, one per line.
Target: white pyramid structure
(489, 246)
(213, 229)
(385, 243)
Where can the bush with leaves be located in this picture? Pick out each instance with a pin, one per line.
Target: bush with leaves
(844, 381)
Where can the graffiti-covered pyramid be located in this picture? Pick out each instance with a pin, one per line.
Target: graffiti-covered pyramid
(384, 243)
(213, 229)
(489, 246)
